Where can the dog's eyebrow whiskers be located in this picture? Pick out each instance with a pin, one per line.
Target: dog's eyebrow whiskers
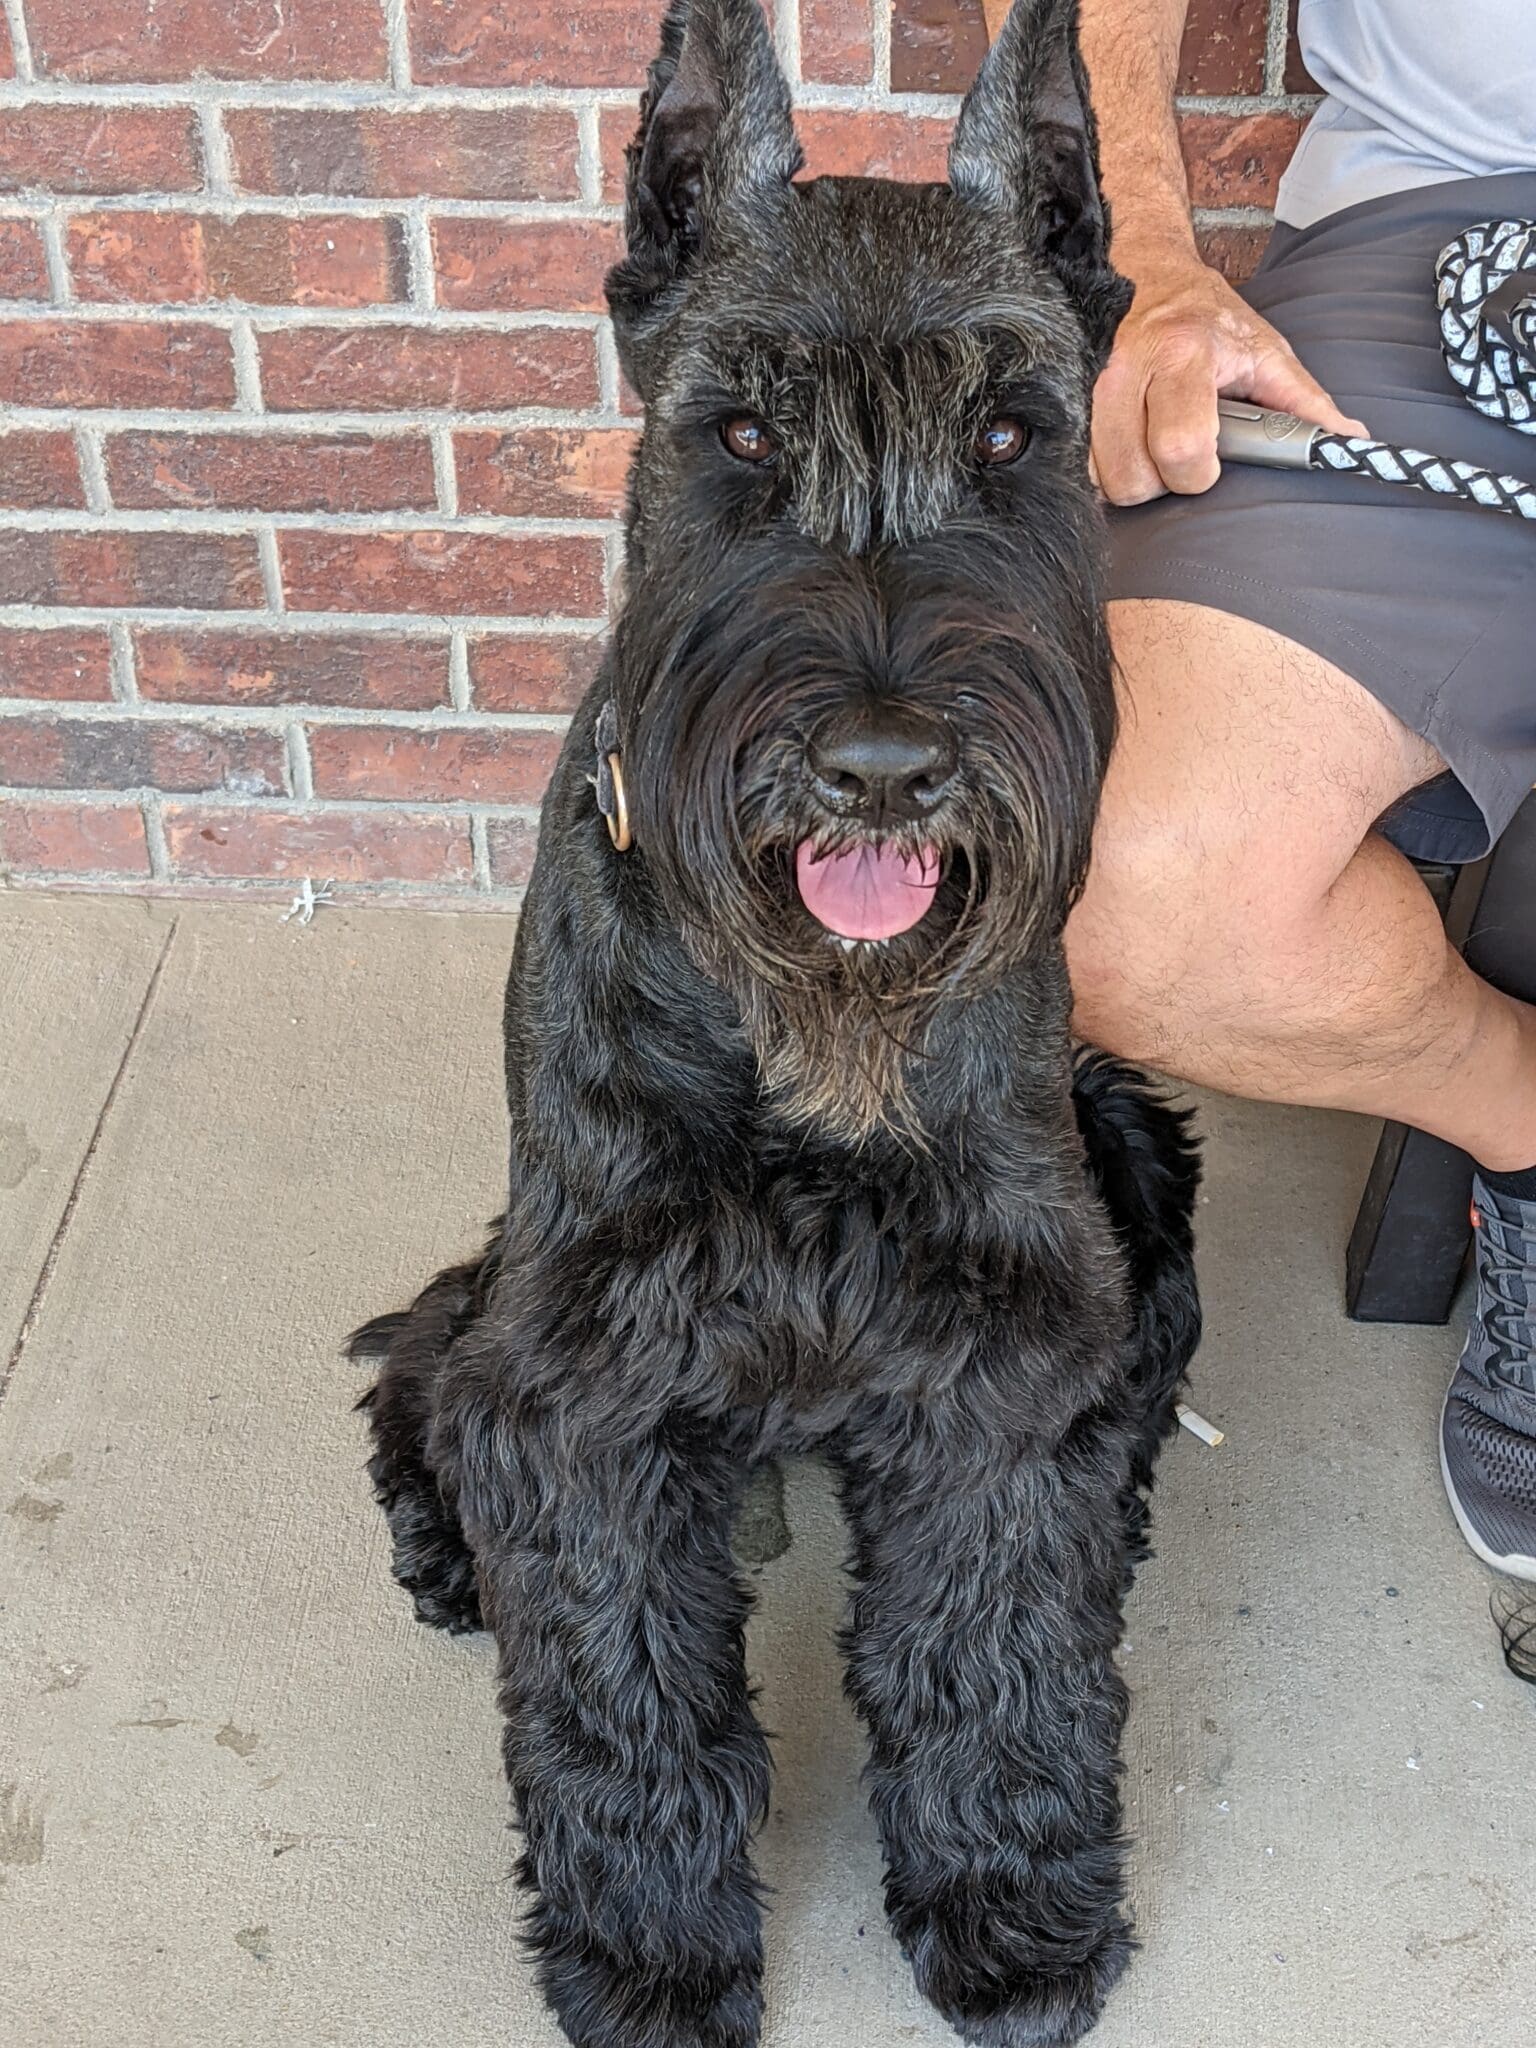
(877, 433)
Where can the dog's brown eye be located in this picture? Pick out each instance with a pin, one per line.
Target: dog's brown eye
(1002, 440)
(748, 439)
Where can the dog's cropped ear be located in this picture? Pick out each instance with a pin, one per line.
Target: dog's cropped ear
(715, 126)
(1026, 146)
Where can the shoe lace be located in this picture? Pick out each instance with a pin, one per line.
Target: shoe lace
(1509, 1311)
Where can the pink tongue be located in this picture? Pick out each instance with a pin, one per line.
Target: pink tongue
(869, 892)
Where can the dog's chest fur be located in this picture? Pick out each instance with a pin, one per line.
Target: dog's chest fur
(737, 1256)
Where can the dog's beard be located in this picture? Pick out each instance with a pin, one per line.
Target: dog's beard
(840, 1030)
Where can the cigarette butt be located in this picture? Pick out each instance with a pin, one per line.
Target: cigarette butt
(1197, 1425)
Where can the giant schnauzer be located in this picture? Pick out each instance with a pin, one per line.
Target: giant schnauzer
(800, 1156)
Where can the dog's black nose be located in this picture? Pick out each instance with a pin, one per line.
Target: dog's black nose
(882, 760)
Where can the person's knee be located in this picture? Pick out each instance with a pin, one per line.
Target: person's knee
(1133, 939)
(1187, 924)
(1246, 774)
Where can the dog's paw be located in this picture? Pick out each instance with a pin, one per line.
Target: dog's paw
(459, 1614)
(444, 1589)
(1044, 2012)
(604, 2007)
(1012, 2003)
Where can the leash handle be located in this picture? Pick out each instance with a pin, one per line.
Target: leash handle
(1271, 440)
(1279, 440)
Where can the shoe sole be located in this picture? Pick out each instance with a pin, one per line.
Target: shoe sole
(1516, 1565)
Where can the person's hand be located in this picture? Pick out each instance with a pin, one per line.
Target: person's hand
(1187, 340)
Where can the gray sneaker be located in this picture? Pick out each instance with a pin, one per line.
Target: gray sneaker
(1488, 1427)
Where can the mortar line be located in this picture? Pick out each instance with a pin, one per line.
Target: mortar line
(34, 1307)
(305, 95)
(21, 43)
(1232, 217)
(610, 382)
(234, 313)
(787, 36)
(154, 838)
(247, 366)
(311, 206)
(1276, 40)
(613, 572)
(589, 154)
(93, 467)
(445, 475)
(308, 97)
(479, 850)
(331, 420)
(459, 694)
(125, 683)
(301, 774)
(420, 258)
(402, 625)
(218, 162)
(268, 717)
(1297, 103)
(880, 23)
(398, 32)
(242, 520)
(51, 228)
(271, 568)
(525, 813)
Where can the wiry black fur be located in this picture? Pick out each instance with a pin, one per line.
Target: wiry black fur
(768, 1195)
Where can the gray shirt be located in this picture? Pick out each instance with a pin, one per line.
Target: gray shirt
(1418, 91)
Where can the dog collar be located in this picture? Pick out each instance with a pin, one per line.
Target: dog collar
(608, 779)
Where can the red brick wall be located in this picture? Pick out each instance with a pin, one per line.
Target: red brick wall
(312, 437)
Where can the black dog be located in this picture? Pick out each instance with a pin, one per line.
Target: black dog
(799, 1154)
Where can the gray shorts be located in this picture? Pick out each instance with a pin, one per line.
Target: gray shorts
(1429, 603)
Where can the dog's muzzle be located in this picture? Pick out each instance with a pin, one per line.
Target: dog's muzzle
(881, 768)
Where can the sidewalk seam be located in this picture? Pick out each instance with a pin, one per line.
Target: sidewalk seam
(56, 1242)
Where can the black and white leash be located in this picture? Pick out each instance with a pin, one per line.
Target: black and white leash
(1486, 290)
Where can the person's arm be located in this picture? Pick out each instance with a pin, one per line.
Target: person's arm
(1188, 336)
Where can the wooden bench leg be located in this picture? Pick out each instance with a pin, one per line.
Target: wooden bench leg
(1410, 1237)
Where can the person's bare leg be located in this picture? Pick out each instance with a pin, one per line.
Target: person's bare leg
(1244, 928)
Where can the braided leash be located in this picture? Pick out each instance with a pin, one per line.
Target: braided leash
(1437, 473)
(1486, 291)
(1488, 317)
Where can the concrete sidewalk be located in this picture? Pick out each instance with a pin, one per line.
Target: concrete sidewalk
(245, 1800)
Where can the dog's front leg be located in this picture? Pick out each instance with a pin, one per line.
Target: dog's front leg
(981, 1647)
(638, 1770)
